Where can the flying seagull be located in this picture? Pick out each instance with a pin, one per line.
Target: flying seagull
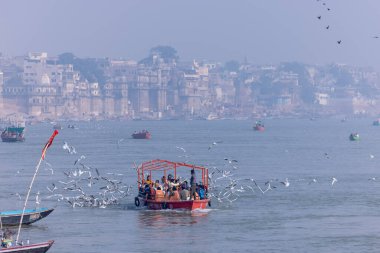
(79, 159)
(214, 144)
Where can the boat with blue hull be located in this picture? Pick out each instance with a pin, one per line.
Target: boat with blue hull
(12, 218)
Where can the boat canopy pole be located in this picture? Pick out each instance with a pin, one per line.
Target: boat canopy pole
(34, 177)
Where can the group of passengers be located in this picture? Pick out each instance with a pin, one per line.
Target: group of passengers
(6, 238)
(172, 189)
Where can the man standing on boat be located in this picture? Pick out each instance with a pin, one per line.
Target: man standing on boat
(193, 184)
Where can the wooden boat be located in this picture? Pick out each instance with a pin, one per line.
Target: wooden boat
(154, 202)
(354, 137)
(259, 126)
(181, 204)
(12, 218)
(30, 248)
(13, 134)
(144, 134)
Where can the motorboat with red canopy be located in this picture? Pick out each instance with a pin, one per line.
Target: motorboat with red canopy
(168, 168)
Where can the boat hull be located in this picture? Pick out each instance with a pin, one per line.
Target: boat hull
(13, 134)
(31, 248)
(259, 128)
(181, 204)
(12, 218)
(141, 136)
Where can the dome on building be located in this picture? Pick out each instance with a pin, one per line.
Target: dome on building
(45, 79)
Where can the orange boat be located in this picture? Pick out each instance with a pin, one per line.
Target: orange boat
(167, 168)
(259, 126)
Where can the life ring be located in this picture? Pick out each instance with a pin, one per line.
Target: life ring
(137, 202)
(209, 203)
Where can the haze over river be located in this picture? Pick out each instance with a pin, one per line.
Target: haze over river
(308, 216)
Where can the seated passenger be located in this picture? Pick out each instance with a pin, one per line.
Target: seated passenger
(165, 184)
(159, 194)
(185, 194)
(196, 196)
(6, 241)
(148, 180)
(151, 192)
(201, 192)
(175, 194)
(157, 184)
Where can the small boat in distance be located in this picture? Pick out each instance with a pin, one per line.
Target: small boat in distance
(376, 122)
(259, 126)
(29, 248)
(159, 199)
(12, 218)
(354, 137)
(13, 134)
(144, 134)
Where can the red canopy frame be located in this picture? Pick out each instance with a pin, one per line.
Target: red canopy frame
(165, 165)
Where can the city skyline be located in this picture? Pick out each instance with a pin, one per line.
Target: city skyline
(261, 31)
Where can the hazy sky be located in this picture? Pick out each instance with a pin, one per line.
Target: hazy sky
(264, 31)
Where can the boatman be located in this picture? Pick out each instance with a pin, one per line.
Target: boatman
(193, 184)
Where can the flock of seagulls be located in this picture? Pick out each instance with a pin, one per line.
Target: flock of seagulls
(84, 186)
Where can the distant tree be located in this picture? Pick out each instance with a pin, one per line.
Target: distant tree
(66, 58)
(167, 53)
(232, 66)
(89, 68)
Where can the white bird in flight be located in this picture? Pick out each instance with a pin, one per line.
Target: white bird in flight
(79, 159)
(286, 182)
(181, 148)
(214, 144)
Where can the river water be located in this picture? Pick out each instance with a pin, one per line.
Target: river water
(307, 216)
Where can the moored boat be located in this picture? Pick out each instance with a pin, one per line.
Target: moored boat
(13, 134)
(144, 134)
(354, 137)
(168, 200)
(12, 218)
(30, 248)
(259, 126)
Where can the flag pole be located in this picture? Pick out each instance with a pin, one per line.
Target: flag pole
(34, 177)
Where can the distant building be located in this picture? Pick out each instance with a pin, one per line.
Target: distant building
(321, 98)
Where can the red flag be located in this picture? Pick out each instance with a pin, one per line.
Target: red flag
(48, 144)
